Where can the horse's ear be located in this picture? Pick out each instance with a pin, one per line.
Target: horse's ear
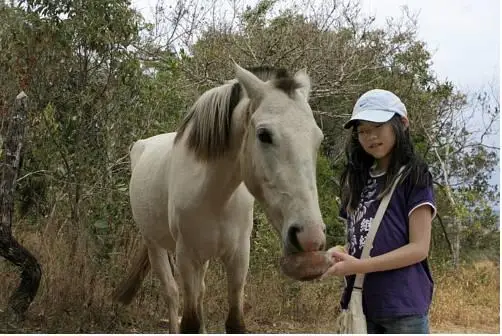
(303, 79)
(254, 87)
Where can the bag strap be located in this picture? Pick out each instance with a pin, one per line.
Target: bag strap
(358, 283)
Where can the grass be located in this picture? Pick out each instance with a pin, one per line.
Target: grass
(74, 296)
(468, 299)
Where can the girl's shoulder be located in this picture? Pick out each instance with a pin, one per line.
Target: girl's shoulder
(417, 176)
(416, 188)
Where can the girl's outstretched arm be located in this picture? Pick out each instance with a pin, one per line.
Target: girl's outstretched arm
(420, 222)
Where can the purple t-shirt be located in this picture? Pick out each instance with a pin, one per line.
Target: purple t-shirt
(399, 292)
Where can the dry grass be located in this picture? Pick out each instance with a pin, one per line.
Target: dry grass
(468, 299)
(76, 285)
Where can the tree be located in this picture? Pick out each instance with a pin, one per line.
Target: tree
(461, 162)
(12, 151)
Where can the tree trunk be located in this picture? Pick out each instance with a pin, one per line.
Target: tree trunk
(457, 223)
(456, 245)
(10, 249)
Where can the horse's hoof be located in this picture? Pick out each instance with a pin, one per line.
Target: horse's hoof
(240, 331)
(236, 329)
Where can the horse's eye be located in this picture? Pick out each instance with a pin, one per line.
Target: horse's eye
(264, 135)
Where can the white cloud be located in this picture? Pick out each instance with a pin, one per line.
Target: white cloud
(464, 36)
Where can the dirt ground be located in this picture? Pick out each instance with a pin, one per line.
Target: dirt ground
(265, 326)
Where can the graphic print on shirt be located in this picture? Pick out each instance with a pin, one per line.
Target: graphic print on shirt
(360, 220)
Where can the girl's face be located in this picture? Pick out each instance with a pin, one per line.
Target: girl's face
(377, 140)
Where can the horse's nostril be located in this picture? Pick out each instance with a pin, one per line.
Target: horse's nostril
(293, 236)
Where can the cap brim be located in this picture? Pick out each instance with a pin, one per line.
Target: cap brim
(377, 116)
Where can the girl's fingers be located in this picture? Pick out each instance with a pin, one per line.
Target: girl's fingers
(339, 256)
(326, 274)
(331, 271)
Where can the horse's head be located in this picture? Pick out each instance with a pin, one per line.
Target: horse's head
(278, 156)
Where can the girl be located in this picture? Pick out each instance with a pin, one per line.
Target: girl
(398, 286)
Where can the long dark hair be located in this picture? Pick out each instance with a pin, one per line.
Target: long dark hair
(356, 172)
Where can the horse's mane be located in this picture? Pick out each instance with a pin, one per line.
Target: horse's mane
(210, 116)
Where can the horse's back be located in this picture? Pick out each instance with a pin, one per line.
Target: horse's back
(147, 188)
(161, 142)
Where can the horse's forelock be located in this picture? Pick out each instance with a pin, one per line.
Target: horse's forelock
(280, 78)
(288, 85)
(266, 73)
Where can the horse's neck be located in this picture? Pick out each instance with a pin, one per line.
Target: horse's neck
(222, 178)
(224, 175)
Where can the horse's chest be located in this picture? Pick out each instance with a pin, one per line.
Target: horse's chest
(209, 229)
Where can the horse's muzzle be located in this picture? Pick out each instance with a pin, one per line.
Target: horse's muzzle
(305, 238)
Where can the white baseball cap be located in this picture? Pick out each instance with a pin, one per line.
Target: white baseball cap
(378, 106)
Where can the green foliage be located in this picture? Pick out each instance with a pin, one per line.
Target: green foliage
(256, 16)
(329, 202)
(265, 244)
(98, 79)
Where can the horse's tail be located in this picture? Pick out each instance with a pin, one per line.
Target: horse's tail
(128, 288)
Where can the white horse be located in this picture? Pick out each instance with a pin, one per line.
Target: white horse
(192, 192)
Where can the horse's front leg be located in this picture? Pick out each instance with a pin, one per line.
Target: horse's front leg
(200, 300)
(192, 275)
(237, 268)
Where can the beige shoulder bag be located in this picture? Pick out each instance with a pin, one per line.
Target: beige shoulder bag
(352, 319)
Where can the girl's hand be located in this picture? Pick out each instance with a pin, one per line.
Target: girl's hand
(339, 248)
(345, 264)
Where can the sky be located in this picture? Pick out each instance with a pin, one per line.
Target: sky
(463, 36)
